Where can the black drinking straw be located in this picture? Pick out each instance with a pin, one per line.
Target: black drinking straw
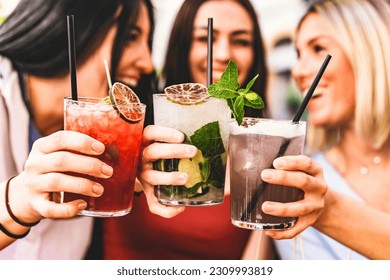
(255, 197)
(309, 94)
(72, 56)
(209, 51)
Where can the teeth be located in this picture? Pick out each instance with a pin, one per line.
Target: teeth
(315, 93)
(130, 81)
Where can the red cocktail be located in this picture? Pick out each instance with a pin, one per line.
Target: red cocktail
(122, 139)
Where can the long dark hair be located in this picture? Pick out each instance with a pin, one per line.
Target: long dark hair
(34, 36)
(176, 67)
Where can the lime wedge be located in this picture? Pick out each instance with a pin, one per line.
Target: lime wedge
(192, 167)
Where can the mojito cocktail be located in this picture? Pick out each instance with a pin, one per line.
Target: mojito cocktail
(205, 124)
(122, 139)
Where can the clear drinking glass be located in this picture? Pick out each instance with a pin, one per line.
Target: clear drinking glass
(253, 146)
(122, 140)
(206, 126)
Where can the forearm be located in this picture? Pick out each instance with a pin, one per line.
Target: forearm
(356, 225)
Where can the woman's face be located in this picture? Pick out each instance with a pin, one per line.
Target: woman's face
(232, 39)
(333, 102)
(135, 61)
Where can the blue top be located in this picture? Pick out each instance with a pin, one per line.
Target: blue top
(33, 134)
(316, 245)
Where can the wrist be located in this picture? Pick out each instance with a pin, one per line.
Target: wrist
(11, 208)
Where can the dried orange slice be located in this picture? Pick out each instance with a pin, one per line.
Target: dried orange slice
(187, 93)
(127, 102)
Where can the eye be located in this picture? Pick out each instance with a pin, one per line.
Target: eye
(318, 48)
(201, 39)
(133, 35)
(242, 42)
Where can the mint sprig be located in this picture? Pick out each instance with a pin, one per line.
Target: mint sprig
(237, 98)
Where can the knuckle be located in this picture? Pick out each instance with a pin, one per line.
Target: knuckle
(147, 176)
(68, 211)
(45, 212)
(147, 153)
(306, 181)
(53, 180)
(84, 186)
(307, 162)
(147, 131)
(303, 209)
(57, 138)
(94, 166)
(59, 160)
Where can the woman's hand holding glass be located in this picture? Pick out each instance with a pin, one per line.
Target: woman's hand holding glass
(162, 143)
(303, 173)
(48, 171)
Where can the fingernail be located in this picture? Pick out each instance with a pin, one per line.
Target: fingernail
(97, 189)
(107, 170)
(178, 136)
(279, 163)
(183, 178)
(191, 150)
(81, 205)
(98, 147)
(268, 207)
(267, 174)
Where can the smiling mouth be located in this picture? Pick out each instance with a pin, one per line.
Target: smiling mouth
(317, 93)
(132, 82)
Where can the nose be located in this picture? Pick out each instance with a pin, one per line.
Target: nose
(222, 49)
(144, 61)
(301, 70)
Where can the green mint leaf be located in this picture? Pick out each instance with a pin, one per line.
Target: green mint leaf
(208, 139)
(219, 90)
(229, 88)
(252, 99)
(229, 77)
(217, 174)
(239, 109)
(251, 96)
(250, 84)
(205, 169)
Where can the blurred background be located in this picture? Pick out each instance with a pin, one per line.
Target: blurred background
(277, 18)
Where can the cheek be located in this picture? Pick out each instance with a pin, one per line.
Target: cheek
(198, 53)
(126, 59)
(197, 60)
(244, 59)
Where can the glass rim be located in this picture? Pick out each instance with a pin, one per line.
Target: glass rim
(269, 120)
(97, 99)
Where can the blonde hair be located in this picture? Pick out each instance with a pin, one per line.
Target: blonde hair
(362, 28)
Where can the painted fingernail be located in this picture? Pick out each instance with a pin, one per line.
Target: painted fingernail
(279, 163)
(98, 147)
(107, 170)
(97, 189)
(267, 174)
(81, 205)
